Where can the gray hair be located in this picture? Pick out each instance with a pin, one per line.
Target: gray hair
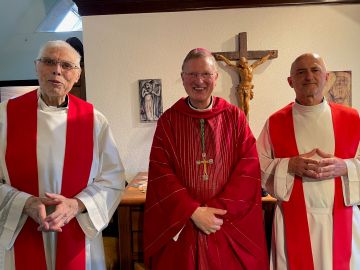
(60, 44)
(199, 53)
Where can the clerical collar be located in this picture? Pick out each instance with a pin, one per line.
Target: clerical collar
(311, 109)
(209, 107)
(62, 105)
(311, 105)
(65, 103)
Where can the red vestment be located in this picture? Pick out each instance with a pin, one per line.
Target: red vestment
(297, 234)
(21, 161)
(176, 188)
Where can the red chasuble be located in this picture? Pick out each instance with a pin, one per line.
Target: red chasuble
(21, 162)
(347, 135)
(177, 187)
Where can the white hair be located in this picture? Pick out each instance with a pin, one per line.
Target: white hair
(60, 44)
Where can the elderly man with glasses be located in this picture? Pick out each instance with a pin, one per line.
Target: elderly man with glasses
(203, 204)
(61, 174)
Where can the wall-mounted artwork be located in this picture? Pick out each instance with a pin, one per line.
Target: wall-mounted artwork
(338, 87)
(150, 100)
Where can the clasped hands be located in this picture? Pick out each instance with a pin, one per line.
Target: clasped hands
(65, 210)
(205, 218)
(328, 166)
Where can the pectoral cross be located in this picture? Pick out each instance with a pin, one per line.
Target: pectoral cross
(205, 162)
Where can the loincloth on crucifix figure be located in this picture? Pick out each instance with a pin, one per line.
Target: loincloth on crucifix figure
(245, 93)
(245, 71)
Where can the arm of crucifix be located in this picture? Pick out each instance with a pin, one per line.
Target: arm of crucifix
(262, 59)
(220, 57)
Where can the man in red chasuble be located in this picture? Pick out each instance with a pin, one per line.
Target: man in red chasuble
(203, 206)
(61, 175)
(309, 155)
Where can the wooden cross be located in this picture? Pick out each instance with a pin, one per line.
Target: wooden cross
(243, 52)
(204, 162)
(244, 69)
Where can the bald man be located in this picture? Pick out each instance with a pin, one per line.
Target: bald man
(309, 156)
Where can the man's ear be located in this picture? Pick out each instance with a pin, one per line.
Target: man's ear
(182, 77)
(79, 74)
(290, 82)
(35, 63)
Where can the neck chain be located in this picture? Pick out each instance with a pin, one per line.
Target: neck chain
(202, 134)
(203, 154)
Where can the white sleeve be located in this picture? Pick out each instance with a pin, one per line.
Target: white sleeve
(12, 218)
(102, 196)
(274, 171)
(351, 182)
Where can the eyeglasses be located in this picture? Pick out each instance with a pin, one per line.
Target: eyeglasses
(194, 75)
(65, 65)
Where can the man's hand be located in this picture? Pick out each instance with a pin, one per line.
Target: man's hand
(65, 210)
(35, 209)
(304, 165)
(330, 166)
(205, 219)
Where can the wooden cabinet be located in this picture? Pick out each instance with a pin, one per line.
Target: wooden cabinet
(131, 220)
(130, 235)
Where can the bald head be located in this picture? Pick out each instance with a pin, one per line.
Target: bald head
(308, 77)
(304, 56)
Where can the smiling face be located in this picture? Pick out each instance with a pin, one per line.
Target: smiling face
(55, 81)
(308, 77)
(199, 79)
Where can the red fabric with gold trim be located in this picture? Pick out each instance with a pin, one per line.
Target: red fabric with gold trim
(21, 161)
(176, 188)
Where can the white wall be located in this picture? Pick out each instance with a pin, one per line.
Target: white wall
(19, 41)
(122, 49)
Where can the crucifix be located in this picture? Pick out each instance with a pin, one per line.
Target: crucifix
(204, 162)
(245, 70)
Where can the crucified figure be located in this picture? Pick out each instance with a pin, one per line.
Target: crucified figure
(245, 71)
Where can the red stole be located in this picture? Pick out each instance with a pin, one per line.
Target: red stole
(298, 245)
(21, 161)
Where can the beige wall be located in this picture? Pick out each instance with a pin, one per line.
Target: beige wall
(122, 49)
